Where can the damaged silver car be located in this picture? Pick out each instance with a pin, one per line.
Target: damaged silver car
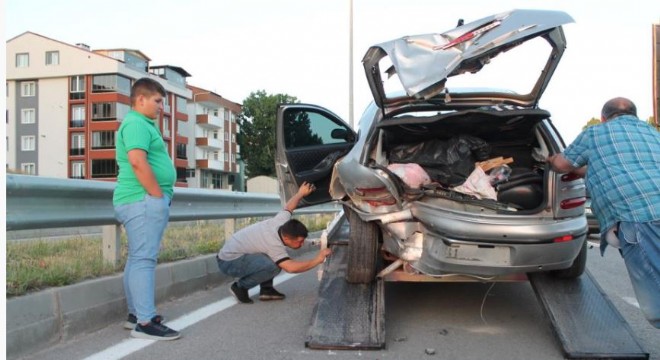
(447, 171)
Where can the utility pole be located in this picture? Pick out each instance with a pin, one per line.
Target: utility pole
(350, 66)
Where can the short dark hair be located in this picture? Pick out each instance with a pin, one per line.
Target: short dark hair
(293, 228)
(617, 107)
(147, 87)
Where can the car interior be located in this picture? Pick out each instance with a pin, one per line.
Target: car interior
(447, 144)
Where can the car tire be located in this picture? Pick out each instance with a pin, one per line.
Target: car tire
(577, 268)
(362, 249)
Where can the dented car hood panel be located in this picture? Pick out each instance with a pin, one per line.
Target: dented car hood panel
(424, 62)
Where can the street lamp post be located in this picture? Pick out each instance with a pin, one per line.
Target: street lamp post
(350, 65)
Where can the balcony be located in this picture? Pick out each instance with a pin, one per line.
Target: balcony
(210, 164)
(77, 151)
(209, 121)
(207, 143)
(77, 123)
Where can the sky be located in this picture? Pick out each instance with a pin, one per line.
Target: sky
(301, 47)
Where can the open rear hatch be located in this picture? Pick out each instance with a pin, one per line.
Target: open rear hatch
(424, 63)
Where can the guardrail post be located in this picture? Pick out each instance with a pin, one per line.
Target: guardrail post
(230, 225)
(111, 243)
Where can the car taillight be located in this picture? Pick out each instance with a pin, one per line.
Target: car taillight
(572, 203)
(378, 196)
(570, 177)
(564, 238)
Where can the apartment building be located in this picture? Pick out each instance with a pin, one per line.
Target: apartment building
(216, 152)
(65, 103)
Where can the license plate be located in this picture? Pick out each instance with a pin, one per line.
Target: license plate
(497, 255)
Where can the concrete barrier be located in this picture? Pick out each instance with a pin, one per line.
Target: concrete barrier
(40, 320)
(43, 319)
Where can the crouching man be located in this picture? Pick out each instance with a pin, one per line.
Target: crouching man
(256, 254)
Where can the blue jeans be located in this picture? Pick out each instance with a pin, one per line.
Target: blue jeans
(640, 248)
(144, 221)
(251, 270)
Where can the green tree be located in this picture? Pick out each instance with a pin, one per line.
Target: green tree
(593, 121)
(257, 134)
(298, 130)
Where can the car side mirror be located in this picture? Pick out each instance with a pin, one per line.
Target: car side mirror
(342, 134)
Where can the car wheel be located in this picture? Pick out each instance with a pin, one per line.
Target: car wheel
(362, 249)
(577, 268)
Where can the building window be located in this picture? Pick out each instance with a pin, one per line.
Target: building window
(28, 143)
(77, 116)
(181, 175)
(181, 104)
(166, 104)
(28, 116)
(226, 157)
(211, 180)
(78, 170)
(28, 88)
(109, 111)
(111, 83)
(181, 128)
(226, 136)
(103, 140)
(233, 138)
(158, 71)
(166, 126)
(52, 57)
(233, 157)
(77, 144)
(104, 168)
(22, 60)
(28, 168)
(116, 54)
(181, 151)
(227, 117)
(77, 88)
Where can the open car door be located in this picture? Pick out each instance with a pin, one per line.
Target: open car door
(310, 139)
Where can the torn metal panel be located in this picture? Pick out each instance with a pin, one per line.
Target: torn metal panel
(424, 62)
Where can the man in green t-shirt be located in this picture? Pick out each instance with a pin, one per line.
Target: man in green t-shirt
(142, 198)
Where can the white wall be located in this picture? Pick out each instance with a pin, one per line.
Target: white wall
(11, 128)
(262, 184)
(53, 124)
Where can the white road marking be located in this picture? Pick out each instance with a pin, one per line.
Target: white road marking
(632, 301)
(132, 345)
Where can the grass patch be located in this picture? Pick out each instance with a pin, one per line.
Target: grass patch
(39, 264)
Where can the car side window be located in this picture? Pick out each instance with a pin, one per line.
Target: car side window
(304, 128)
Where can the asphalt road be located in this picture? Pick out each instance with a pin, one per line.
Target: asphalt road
(423, 321)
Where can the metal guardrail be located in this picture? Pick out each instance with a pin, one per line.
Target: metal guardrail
(35, 202)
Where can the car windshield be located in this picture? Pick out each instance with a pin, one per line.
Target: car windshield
(516, 70)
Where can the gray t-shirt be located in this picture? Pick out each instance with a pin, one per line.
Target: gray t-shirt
(259, 238)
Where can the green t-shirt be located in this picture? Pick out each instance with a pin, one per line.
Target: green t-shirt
(139, 132)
